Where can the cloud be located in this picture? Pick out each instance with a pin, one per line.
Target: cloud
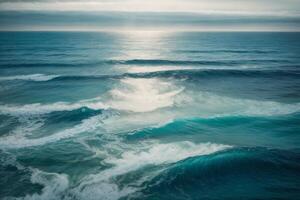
(253, 6)
(185, 14)
(13, 20)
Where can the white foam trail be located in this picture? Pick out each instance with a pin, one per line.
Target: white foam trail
(143, 95)
(27, 127)
(156, 154)
(198, 104)
(165, 153)
(10, 159)
(54, 186)
(137, 121)
(102, 191)
(17, 141)
(135, 95)
(29, 77)
(211, 105)
(37, 108)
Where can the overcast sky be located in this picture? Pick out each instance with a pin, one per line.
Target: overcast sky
(247, 6)
(94, 14)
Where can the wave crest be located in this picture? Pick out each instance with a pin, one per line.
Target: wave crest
(29, 77)
(155, 154)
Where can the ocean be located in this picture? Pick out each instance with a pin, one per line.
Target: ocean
(149, 115)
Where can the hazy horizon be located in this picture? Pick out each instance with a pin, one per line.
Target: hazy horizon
(149, 100)
(176, 15)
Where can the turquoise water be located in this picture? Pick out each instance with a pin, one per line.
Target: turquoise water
(149, 115)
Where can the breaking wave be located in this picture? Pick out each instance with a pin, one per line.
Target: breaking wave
(102, 185)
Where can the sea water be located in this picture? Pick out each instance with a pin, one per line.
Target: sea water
(149, 115)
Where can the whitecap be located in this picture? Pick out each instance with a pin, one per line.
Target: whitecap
(21, 141)
(29, 77)
(165, 153)
(132, 160)
(143, 95)
(102, 191)
(146, 102)
(38, 108)
(206, 104)
(54, 184)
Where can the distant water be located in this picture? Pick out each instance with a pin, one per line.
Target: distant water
(149, 115)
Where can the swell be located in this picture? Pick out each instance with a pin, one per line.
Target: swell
(192, 62)
(247, 172)
(143, 96)
(40, 109)
(153, 62)
(29, 77)
(86, 126)
(211, 73)
(139, 158)
(16, 176)
(27, 182)
(228, 51)
(272, 131)
(185, 73)
(190, 125)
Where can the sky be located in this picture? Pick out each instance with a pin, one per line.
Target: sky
(222, 15)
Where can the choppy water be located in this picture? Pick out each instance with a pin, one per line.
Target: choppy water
(149, 115)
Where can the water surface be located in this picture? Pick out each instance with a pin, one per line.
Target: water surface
(149, 115)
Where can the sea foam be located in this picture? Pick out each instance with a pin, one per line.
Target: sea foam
(38, 109)
(54, 185)
(29, 77)
(14, 141)
(143, 95)
(155, 154)
(166, 153)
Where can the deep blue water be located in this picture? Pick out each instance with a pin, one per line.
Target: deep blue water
(149, 115)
